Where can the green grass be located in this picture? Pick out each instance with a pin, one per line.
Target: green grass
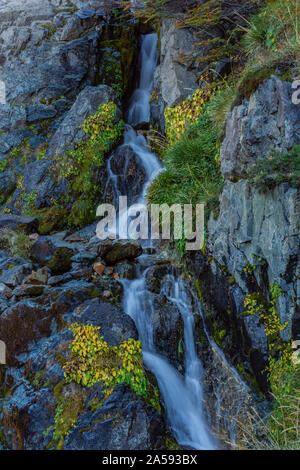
(277, 168)
(192, 172)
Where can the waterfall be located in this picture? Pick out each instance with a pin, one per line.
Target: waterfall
(139, 108)
(182, 396)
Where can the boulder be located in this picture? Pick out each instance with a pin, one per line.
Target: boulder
(54, 253)
(124, 422)
(15, 275)
(122, 249)
(37, 277)
(116, 326)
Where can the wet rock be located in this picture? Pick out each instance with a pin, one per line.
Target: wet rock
(155, 276)
(124, 421)
(17, 222)
(168, 331)
(125, 270)
(116, 326)
(126, 164)
(122, 249)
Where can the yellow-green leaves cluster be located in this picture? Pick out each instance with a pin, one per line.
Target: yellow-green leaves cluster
(271, 320)
(104, 132)
(179, 118)
(93, 360)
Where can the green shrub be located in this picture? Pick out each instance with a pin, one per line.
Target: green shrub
(93, 360)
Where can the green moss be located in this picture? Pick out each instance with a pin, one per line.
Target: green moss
(218, 335)
(171, 443)
(3, 165)
(61, 260)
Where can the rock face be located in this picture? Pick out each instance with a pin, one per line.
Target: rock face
(269, 120)
(261, 229)
(70, 132)
(177, 81)
(123, 422)
(254, 242)
(49, 58)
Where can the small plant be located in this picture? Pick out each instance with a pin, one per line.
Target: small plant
(17, 243)
(179, 118)
(93, 360)
(277, 168)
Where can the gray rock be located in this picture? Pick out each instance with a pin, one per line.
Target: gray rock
(124, 422)
(115, 325)
(269, 120)
(177, 81)
(14, 276)
(8, 184)
(16, 222)
(70, 132)
(254, 224)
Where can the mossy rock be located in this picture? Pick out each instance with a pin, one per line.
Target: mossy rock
(61, 260)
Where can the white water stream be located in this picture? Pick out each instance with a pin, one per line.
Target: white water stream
(182, 396)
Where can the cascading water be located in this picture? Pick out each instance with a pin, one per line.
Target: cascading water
(139, 108)
(182, 396)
